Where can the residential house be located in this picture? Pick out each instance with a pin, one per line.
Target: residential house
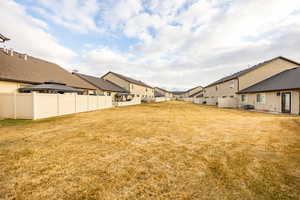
(229, 86)
(20, 70)
(133, 86)
(279, 93)
(163, 93)
(104, 87)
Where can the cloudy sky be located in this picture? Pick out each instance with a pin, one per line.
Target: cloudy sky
(175, 44)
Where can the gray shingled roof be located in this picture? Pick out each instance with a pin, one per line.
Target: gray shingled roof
(131, 80)
(178, 92)
(101, 83)
(193, 88)
(197, 93)
(158, 94)
(286, 80)
(240, 73)
(36, 71)
(166, 91)
(53, 86)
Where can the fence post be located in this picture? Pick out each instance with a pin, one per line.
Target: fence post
(57, 104)
(75, 99)
(87, 103)
(34, 105)
(15, 105)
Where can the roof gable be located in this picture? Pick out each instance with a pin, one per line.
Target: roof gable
(101, 83)
(157, 88)
(288, 79)
(242, 72)
(128, 79)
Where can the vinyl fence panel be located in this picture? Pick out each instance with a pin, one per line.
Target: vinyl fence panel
(38, 106)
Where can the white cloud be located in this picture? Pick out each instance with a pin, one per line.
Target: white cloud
(120, 11)
(28, 35)
(77, 15)
(180, 43)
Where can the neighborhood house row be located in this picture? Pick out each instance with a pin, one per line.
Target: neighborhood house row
(272, 85)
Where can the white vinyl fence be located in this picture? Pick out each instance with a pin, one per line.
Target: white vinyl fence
(227, 102)
(199, 100)
(134, 101)
(161, 99)
(38, 106)
(189, 99)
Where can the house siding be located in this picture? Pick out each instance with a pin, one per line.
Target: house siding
(10, 87)
(272, 101)
(145, 92)
(118, 81)
(264, 72)
(224, 90)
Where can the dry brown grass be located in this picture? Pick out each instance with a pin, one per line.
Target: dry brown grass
(171, 150)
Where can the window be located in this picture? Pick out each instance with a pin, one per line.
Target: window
(243, 98)
(231, 84)
(146, 90)
(223, 97)
(132, 87)
(261, 98)
(108, 93)
(216, 88)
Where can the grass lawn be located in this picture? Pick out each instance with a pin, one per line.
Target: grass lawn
(171, 150)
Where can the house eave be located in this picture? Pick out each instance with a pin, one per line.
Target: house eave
(262, 91)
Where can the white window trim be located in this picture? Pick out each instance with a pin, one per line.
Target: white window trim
(246, 98)
(231, 84)
(264, 99)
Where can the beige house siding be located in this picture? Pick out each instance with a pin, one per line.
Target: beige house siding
(226, 89)
(264, 72)
(118, 81)
(145, 92)
(10, 87)
(272, 101)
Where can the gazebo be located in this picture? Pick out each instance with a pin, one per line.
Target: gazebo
(51, 87)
